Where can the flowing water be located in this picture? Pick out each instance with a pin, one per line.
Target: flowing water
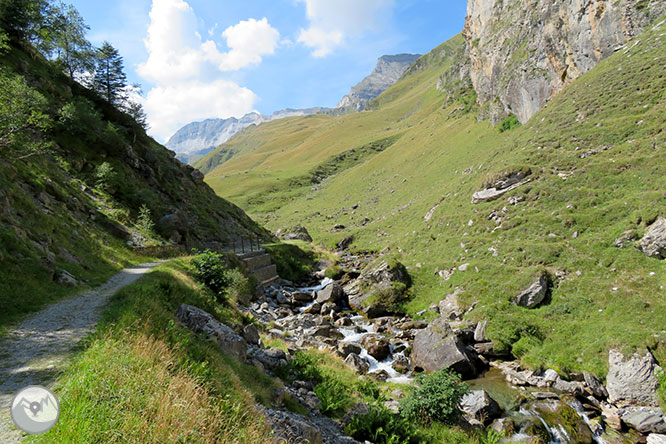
(519, 406)
(515, 401)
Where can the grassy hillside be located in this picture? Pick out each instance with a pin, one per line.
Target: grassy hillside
(597, 156)
(290, 148)
(72, 205)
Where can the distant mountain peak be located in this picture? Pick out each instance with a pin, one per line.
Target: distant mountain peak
(388, 70)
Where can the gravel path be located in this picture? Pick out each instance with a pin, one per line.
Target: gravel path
(36, 349)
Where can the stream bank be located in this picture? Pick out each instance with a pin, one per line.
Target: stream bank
(523, 405)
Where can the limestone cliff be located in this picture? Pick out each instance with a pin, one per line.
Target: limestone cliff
(522, 52)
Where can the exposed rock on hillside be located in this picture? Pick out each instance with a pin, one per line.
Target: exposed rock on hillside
(500, 186)
(653, 243)
(200, 321)
(297, 232)
(388, 70)
(522, 52)
(534, 294)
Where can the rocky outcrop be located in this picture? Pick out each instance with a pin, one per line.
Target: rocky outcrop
(632, 380)
(200, 321)
(297, 232)
(388, 70)
(653, 244)
(522, 52)
(534, 294)
(496, 188)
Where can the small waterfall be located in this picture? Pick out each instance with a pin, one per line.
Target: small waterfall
(597, 429)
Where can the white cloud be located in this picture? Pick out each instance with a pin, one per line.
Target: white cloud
(332, 22)
(174, 49)
(170, 107)
(188, 71)
(322, 42)
(248, 41)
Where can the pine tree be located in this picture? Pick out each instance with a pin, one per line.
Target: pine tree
(109, 78)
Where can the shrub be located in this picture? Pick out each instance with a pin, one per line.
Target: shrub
(240, 286)
(369, 389)
(304, 367)
(105, 177)
(211, 270)
(381, 426)
(145, 222)
(435, 398)
(509, 123)
(333, 395)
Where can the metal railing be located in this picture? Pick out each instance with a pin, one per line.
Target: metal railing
(244, 245)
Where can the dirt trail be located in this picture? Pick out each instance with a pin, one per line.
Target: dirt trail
(35, 350)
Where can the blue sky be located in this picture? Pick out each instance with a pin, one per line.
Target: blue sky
(198, 59)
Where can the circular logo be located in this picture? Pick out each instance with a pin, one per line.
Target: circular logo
(35, 409)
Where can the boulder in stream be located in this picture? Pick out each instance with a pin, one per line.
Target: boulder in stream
(331, 293)
(377, 346)
(655, 438)
(379, 287)
(479, 405)
(436, 347)
(347, 348)
(645, 420)
(358, 364)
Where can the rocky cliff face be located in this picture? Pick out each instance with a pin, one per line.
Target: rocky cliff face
(522, 52)
(388, 70)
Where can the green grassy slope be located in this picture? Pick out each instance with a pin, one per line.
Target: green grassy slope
(54, 217)
(290, 148)
(164, 383)
(597, 156)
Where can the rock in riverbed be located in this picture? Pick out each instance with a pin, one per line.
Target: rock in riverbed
(437, 347)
